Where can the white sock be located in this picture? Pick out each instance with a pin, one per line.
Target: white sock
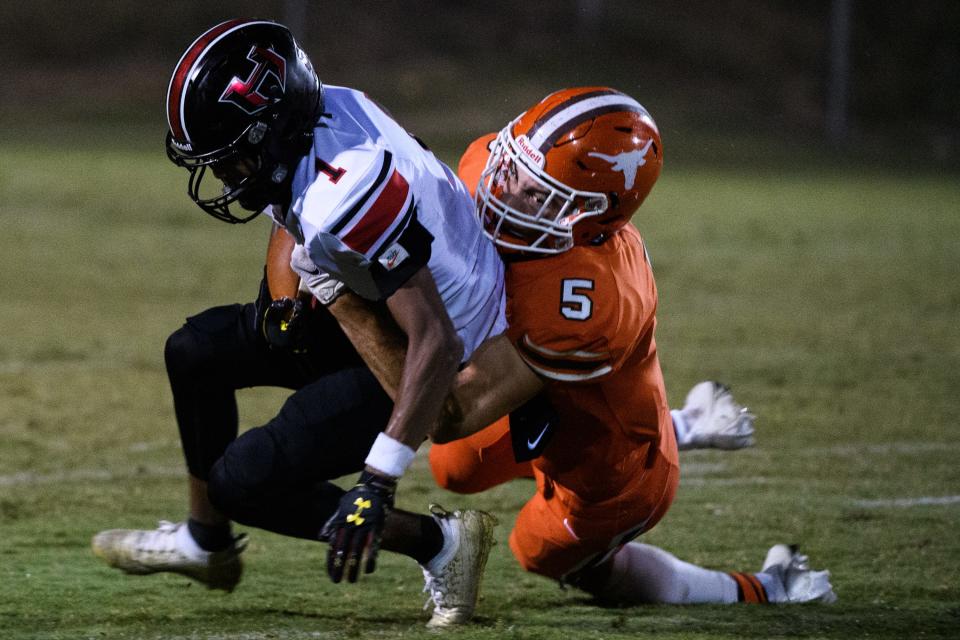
(189, 546)
(645, 574)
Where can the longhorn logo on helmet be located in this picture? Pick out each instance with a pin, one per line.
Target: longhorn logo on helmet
(627, 162)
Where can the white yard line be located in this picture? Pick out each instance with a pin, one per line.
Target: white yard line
(726, 482)
(888, 448)
(701, 468)
(701, 474)
(264, 635)
(908, 502)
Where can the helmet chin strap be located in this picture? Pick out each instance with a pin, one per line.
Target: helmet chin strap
(259, 196)
(275, 187)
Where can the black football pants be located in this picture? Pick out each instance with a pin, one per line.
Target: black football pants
(275, 476)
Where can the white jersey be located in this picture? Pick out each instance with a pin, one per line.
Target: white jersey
(371, 206)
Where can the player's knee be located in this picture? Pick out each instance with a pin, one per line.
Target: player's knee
(186, 352)
(454, 467)
(529, 550)
(242, 477)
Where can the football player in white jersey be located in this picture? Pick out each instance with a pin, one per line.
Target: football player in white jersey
(373, 210)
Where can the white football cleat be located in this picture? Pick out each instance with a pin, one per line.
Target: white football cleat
(453, 576)
(711, 418)
(171, 548)
(800, 583)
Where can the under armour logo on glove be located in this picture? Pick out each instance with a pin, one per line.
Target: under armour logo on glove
(356, 518)
(354, 530)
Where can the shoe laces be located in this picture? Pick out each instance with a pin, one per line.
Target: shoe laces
(162, 541)
(430, 584)
(439, 585)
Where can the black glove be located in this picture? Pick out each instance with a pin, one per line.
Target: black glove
(283, 324)
(355, 529)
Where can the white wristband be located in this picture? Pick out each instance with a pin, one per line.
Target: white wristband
(390, 457)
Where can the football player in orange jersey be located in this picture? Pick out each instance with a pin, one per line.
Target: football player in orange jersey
(556, 190)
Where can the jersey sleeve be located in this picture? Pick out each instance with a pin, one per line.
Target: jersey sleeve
(566, 357)
(366, 233)
(576, 329)
(474, 161)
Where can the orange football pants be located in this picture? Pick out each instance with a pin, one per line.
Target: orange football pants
(556, 533)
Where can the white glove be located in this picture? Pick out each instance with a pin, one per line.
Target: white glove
(324, 287)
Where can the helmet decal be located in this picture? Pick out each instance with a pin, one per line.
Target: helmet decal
(242, 105)
(629, 162)
(176, 94)
(574, 112)
(246, 94)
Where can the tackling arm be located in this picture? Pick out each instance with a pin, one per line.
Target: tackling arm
(494, 383)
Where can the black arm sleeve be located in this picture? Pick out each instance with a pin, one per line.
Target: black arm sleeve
(401, 257)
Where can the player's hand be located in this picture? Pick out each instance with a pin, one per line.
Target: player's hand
(354, 530)
(283, 324)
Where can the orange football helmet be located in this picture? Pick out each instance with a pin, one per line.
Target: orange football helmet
(569, 171)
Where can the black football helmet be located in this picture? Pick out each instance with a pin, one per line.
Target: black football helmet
(243, 102)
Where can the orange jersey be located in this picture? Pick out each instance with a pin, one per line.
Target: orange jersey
(584, 321)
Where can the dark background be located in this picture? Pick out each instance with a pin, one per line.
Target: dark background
(729, 81)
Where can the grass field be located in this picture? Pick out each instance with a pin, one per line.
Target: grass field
(829, 298)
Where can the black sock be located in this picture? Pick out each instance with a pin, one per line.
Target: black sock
(210, 537)
(431, 540)
(413, 535)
